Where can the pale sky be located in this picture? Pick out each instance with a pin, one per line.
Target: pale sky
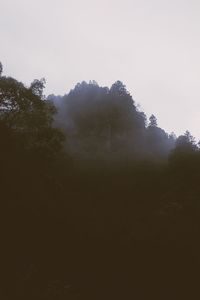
(153, 46)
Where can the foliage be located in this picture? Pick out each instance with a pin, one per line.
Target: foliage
(29, 116)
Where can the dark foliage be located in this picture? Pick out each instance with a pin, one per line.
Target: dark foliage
(95, 202)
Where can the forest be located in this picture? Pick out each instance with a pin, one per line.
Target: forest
(97, 201)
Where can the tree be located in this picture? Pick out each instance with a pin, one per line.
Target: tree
(186, 143)
(119, 89)
(185, 155)
(153, 121)
(1, 69)
(37, 87)
(29, 116)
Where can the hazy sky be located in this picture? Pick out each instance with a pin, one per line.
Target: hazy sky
(153, 46)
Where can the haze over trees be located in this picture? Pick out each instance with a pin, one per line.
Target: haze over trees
(97, 202)
(105, 123)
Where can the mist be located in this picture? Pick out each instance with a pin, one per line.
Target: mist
(104, 125)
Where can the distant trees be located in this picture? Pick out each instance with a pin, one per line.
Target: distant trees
(97, 122)
(106, 122)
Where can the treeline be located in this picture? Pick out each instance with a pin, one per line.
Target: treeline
(105, 124)
(97, 202)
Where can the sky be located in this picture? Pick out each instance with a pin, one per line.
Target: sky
(153, 46)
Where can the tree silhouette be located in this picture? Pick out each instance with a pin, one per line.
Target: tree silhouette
(153, 121)
(1, 69)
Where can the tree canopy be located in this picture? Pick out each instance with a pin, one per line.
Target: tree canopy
(24, 111)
